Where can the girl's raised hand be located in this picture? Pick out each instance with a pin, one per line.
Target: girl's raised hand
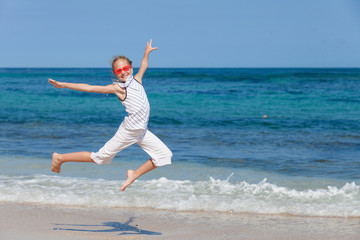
(55, 83)
(149, 48)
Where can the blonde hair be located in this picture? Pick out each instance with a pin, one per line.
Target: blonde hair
(121, 58)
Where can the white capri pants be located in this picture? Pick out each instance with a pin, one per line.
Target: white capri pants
(160, 154)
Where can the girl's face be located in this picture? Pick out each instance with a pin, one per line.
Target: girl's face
(121, 66)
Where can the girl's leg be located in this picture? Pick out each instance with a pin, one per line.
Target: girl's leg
(133, 175)
(160, 155)
(59, 159)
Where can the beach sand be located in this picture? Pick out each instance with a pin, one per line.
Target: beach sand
(20, 221)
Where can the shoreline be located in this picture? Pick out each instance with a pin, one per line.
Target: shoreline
(32, 221)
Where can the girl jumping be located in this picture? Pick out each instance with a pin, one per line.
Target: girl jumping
(133, 129)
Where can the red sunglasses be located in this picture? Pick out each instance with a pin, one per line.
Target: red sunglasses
(125, 68)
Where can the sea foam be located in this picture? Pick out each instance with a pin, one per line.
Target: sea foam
(162, 193)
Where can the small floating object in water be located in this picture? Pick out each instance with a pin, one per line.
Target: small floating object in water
(264, 116)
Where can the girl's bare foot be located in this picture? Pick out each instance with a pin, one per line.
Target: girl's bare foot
(130, 179)
(56, 163)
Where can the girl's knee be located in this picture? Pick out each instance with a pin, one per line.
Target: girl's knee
(102, 158)
(170, 154)
(167, 154)
(165, 158)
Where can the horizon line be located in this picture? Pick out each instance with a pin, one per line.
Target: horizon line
(185, 67)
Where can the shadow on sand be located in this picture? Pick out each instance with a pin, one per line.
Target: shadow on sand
(123, 228)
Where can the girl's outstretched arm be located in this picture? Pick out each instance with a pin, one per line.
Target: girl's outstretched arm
(84, 87)
(145, 62)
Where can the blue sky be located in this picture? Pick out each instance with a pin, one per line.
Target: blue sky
(189, 33)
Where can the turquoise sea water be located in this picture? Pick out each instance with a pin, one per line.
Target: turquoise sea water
(303, 158)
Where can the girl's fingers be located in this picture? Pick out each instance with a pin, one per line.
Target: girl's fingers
(149, 47)
(53, 82)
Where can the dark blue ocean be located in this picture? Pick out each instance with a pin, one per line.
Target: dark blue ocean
(244, 140)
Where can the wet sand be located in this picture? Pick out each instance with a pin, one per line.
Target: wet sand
(18, 221)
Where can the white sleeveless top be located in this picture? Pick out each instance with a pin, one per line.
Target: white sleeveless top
(136, 105)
